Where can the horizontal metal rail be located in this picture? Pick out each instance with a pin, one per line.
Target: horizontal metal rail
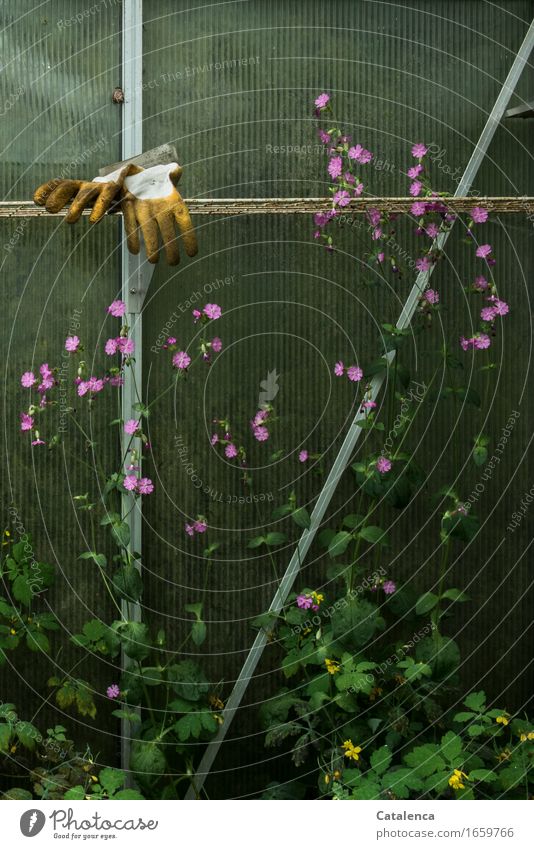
(290, 206)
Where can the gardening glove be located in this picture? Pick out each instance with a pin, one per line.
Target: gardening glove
(100, 192)
(151, 203)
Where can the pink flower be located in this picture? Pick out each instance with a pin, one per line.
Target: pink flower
(130, 483)
(200, 526)
(214, 439)
(125, 346)
(216, 345)
(480, 283)
(116, 380)
(389, 587)
(72, 344)
(481, 341)
(354, 373)
(181, 360)
(304, 601)
(145, 486)
(230, 450)
(131, 426)
(500, 307)
(431, 296)
(487, 314)
(26, 421)
(339, 369)
(196, 315)
(341, 198)
(432, 230)
(212, 311)
(117, 309)
(322, 101)
(324, 137)
(358, 190)
(414, 171)
(261, 433)
(28, 379)
(83, 388)
(479, 214)
(418, 208)
(259, 418)
(415, 188)
(95, 384)
(111, 347)
(189, 529)
(303, 456)
(335, 167)
(483, 251)
(377, 233)
(38, 441)
(419, 150)
(466, 343)
(381, 256)
(383, 465)
(113, 691)
(171, 340)
(423, 263)
(368, 405)
(374, 215)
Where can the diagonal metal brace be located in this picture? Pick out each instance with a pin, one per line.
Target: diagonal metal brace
(343, 458)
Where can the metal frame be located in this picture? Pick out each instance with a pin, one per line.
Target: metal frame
(342, 460)
(136, 274)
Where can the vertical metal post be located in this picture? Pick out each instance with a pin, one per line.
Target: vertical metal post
(135, 279)
(353, 434)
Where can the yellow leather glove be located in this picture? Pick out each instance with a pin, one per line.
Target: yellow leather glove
(100, 192)
(151, 203)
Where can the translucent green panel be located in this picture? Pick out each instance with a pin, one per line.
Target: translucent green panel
(60, 64)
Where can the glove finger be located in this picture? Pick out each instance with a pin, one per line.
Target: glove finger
(169, 238)
(183, 219)
(42, 192)
(84, 198)
(103, 201)
(130, 226)
(61, 195)
(149, 229)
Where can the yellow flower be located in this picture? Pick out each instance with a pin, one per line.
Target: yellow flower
(456, 779)
(317, 597)
(327, 779)
(352, 751)
(216, 702)
(504, 755)
(502, 720)
(524, 736)
(332, 666)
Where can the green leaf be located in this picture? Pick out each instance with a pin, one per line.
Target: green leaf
(301, 517)
(121, 534)
(94, 630)
(476, 730)
(451, 747)
(455, 595)
(37, 641)
(28, 734)
(339, 543)
(464, 716)
(76, 793)
(476, 701)
(381, 759)
(99, 559)
(198, 632)
(127, 582)
(189, 726)
(181, 706)
(134, 639)
(111, 779)
(187, 680)
(425, 759)
(425, 603)
(129, 715)
(5, 736)
(482, 775)
(373, 534)
(275, 538)
(128, 794)
(256, 542)
(147, 758)
(353, 520)
(480, 455)
(22, 590)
